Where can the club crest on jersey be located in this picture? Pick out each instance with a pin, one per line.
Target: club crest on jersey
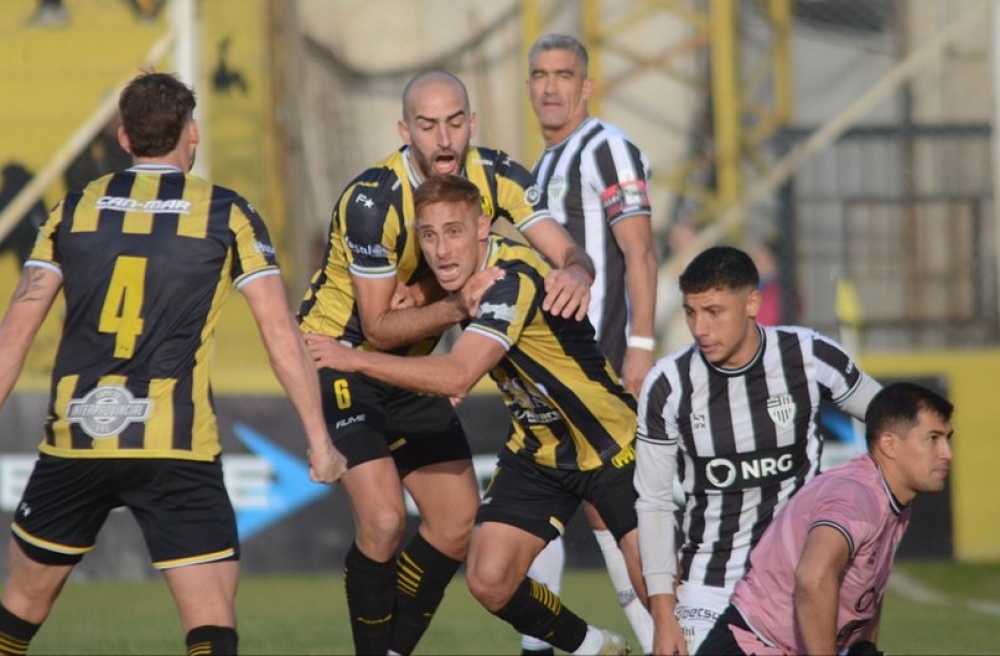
(107, 411)
(556, 189)
(781, 409)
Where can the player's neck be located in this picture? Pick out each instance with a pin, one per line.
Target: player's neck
(172, 160)
(902, 493)
(556, 137)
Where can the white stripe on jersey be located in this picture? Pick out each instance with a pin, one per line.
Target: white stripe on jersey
(747, 439)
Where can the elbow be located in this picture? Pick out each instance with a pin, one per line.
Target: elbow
(808, 584)
(379, 339)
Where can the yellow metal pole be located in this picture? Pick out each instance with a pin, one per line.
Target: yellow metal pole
(531, 27)
(726, 101)
(781, 67)
(590, 23)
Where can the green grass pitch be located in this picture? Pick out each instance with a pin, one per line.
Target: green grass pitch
(945, 609)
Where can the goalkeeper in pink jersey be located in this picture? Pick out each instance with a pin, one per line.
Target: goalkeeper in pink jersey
(818, 574)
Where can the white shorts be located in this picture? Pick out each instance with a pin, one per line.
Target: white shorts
(698, 606)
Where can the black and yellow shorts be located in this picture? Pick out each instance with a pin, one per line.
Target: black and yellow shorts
(541, 500)
(181, 506)
(369, 419)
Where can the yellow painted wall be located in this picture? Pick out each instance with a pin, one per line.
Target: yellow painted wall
(51, 80)
(970, 378)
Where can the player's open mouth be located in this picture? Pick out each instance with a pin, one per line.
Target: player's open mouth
(446, 272)
(445, 163)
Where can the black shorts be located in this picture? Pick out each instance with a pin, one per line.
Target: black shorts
(720, 640)
(541, 500)
(181, 506)
(369, 419)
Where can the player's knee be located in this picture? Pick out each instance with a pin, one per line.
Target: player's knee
(451, 537)
(491, 586)
(381, 530)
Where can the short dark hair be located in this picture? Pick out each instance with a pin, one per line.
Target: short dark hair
(445, 189)
(896, 406)
(558, 42)
(155, 108)
(722, 267)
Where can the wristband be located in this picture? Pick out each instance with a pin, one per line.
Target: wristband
(644, 343)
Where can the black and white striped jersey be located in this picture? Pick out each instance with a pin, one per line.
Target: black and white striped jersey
(592, 180)
(743, 441)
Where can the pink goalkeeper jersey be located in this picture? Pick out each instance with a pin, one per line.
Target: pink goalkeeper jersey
(855, 500)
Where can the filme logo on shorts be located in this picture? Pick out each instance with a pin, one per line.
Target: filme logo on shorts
(107, 411)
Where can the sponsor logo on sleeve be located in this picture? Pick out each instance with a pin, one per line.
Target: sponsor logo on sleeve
(499, 311)
(377, 251)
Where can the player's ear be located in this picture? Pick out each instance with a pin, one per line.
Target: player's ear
(123, 140)
(483, 227)
(588, 88)
(404, 132)
(472, 125)
(753, 303)
(888, 443)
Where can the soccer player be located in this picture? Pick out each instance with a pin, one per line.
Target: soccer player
(594, 181)
(364, 296)
(735, 416)
(572, 422)
(818, 575)
(145, 258)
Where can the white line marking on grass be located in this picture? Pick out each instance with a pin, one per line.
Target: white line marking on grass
(914, 590)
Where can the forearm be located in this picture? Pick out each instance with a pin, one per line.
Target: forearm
(293, 367)
(12, 356)
(654, 482)
(816, 617)
(640, 280)
(429, 374)
(577, 257)
(396, 328)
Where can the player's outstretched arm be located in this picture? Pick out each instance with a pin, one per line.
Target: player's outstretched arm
(567, 287)
(29, 306)
(293, 367)
(452, 374)
(817, 588)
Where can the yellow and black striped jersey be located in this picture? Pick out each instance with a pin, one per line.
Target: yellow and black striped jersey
(568, 408)
(147, 257)
(372, 234)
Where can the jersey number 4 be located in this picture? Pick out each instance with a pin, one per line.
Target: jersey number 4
(121, 313)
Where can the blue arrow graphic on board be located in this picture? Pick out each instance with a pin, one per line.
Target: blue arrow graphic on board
(290, 490)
